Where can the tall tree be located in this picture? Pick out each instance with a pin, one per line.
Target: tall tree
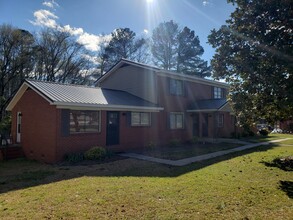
(59, 58)
(178, 50)
(254, 54)
(165, 45)
(188, 55)
(15, 61)
(123, 44)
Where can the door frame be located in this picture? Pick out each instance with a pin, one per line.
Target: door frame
(18, 127)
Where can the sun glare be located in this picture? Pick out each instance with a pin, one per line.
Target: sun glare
(149, 1)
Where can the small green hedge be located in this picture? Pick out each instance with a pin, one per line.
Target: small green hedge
(95, 153)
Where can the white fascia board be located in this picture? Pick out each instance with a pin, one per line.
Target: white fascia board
(192, 79)
(78, 106)
(20, 93)
(226, 104)
(203, 110)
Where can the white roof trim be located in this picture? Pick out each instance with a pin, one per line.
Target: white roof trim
(78, 106)
(227, 103)
(203, 110)
(192, 79)
(20, 93)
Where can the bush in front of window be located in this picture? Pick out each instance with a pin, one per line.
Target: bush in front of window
(74, 157)
(96, 153)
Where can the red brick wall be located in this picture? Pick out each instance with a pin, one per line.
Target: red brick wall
(38, 127)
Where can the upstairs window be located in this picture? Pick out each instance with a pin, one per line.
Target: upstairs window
(140, 118)
(218, 93)
(176, 87)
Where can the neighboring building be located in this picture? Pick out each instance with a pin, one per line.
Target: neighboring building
(133, 105)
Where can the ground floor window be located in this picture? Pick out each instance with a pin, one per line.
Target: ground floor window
(176, 120)
(220, 120)
(140, 118)
(84, 121)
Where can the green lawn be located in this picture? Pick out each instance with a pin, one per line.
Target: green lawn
(235, 186)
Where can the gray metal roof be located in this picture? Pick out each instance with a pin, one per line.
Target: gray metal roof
(210, 104)
(76, 94)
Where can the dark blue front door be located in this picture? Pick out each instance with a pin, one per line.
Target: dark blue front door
(112, 128)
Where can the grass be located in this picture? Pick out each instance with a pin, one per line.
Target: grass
(235, 186)
(185, 151)
(270, 137)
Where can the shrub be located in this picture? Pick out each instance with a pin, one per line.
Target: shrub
(263, 132)
(174, 142)
(74, 157)
(96, 153)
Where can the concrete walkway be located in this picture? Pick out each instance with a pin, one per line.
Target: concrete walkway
(190, 160)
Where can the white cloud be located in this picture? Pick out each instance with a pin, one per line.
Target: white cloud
(45, 18)
(50, 4)
(91, 41)
(72, 30)
(206, 3)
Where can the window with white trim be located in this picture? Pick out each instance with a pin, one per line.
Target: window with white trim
(176, 120)
(220, 120)
(84, 121)
(218, 93)
(140, 118)
(176, 87)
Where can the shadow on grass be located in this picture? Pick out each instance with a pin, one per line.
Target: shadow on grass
(35, 173)
(287, 187)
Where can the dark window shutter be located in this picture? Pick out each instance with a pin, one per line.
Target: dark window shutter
(128, 119)
(65, 122)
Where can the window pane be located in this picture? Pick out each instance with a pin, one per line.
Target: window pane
(176, 87)
(172, 121)
(179, 87)
(176, 120)
(179, 121)
(173, 86)
(135, 118)
(218, 93)
(84, 121)
(140, 118)
(145, 118)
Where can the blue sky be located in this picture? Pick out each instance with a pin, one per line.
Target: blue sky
(88, 20)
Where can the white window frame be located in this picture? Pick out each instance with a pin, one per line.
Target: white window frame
(175, 126)
(140, 122)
